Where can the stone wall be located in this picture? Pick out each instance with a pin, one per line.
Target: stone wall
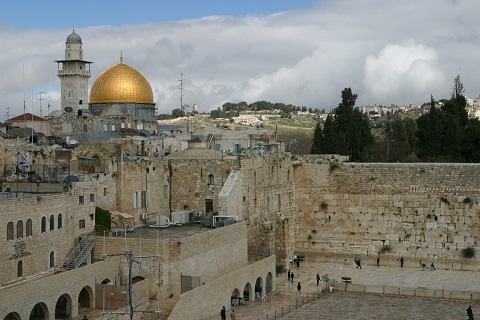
(206, 255)
(395, 210)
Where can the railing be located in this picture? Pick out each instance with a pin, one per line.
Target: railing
(79, 253)
(290, 307)
(65, 72)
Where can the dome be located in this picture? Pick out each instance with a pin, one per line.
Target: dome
(74, 38)
(121, 84)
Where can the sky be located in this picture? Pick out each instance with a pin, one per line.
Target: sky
(302, 52)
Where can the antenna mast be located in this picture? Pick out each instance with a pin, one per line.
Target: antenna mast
(181, 92)
(40, 93)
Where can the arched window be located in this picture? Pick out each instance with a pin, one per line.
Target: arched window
(20, 229)
(52, 259)
(29, 228)
(44, 224)
(20, 269)
(59, 221)
(10, 231)
(52, 222)
(211, 179)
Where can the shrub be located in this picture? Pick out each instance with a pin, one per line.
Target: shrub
(103, 220)
(324, 205)
(467, 200)
(468, 252)
(309, 237)
(444, 199)
(333, 167)
(385, 248)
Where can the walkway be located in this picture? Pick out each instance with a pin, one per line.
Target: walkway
(340, 305)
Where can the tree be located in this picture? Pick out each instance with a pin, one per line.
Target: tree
(317, 140)
(177, 113)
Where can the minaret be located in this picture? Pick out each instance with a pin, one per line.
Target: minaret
(74, 73)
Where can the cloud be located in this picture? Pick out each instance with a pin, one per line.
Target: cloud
(402, 70)
(387, 52)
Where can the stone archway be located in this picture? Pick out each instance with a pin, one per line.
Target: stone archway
(12, 316)
(39, 312)
(85, 299)
(259, 292)
(269, 285)
(248, 293)
(63, 307)
(137, 279)
(107, 282)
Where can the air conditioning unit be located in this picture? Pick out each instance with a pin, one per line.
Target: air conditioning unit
(144, 216)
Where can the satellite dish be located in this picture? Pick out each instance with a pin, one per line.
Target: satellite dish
(68, 109)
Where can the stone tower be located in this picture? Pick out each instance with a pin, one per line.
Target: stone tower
(74, 73)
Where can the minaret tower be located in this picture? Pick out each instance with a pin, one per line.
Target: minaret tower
(74, 73)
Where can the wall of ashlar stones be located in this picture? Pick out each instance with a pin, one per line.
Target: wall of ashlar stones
(34, 251)
(206, 255)
(395, 210)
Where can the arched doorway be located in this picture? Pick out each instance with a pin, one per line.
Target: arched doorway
(258, 288)
(39, 312)
(107, 281)
(137, 279)
(235, 298)
(63, 308)
(247, 292)
(85, 299)
(12, 316)
(269, 283)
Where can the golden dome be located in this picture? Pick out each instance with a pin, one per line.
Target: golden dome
(121, 84)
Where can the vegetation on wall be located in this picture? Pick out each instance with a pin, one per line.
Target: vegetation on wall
(103, 220)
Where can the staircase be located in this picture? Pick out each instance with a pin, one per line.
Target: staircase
(209, 140)
(80, 252)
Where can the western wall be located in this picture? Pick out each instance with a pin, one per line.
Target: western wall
(386, 210)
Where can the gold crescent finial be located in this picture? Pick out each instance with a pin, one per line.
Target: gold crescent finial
(121, 56)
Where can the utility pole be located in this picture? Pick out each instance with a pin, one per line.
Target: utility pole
(131, 257)
(40, 93)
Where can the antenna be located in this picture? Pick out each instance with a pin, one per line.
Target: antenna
(48, 107)
(40, 93)
(8, 112)
(181, 92)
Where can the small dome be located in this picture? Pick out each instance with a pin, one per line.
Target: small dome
(74, 38)
(121, 84)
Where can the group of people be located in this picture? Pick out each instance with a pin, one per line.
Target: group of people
(290, 275)
(424, 266)
(223, 314)
(295, 261)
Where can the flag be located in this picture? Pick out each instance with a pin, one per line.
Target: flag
(22, 162)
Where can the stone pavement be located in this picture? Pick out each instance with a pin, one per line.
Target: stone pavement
(354, 306)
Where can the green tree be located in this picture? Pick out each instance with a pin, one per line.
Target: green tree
(103, 220)
(177, 113)
(317, 140)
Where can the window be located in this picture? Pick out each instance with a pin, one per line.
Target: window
(10, 231)
(81, 224)
(20, 229)
(60, 222)
(92, 197)
(144, 199)
(52, 222)
(44, 224)
(52, 260)
(29, 228)
(20, 269)
(211, 179)
(81, 200)
(136, 200)
(279, 201)
(105, 191)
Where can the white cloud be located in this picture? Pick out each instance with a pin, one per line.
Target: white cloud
(388, 52)
(399, 71)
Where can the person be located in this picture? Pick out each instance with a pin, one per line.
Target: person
(288, 274)
(470, 313)
(85, 317)
(298, 263)
(378, 261)
(223, 313)
(291, 262)
(358, 263)
(318, 278)
(423, 265)
(291, 276)
(299, 289)
(401, 262)
(232, 315)
(432, 266)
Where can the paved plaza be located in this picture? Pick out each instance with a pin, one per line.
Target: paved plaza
(353, 306)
